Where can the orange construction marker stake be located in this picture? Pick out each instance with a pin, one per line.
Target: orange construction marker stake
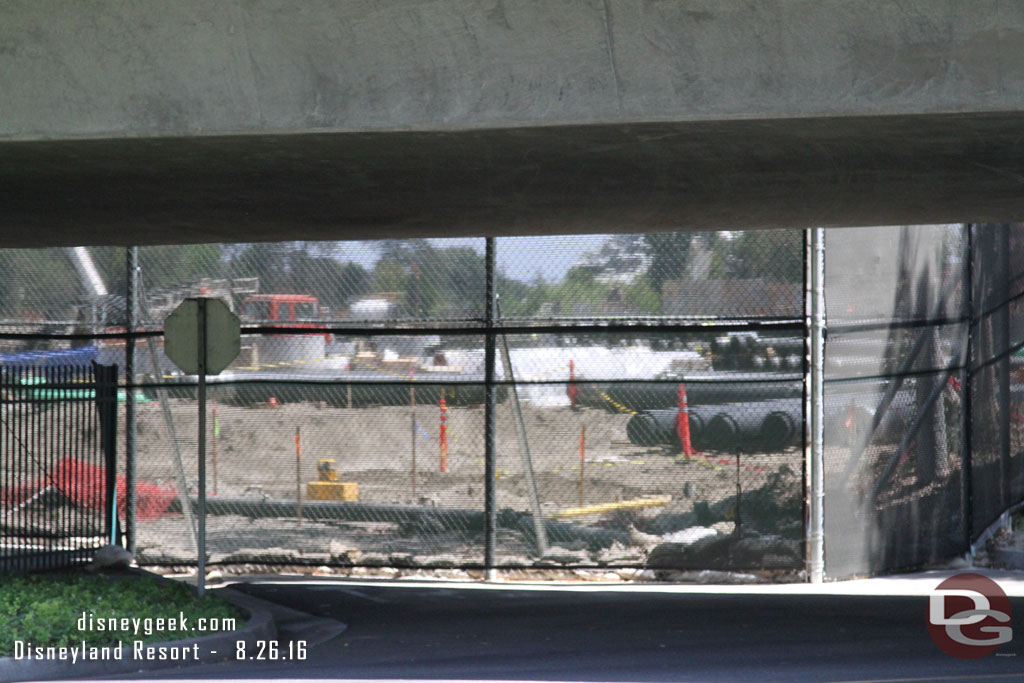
(444, 436)
(683, 423)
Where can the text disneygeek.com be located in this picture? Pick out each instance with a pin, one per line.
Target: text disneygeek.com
(136, 650)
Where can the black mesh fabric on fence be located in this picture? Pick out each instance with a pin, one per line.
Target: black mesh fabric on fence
(894, 369)
(924, 330)
(997, 464)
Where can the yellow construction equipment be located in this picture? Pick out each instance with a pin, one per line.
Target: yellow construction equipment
(328, 487)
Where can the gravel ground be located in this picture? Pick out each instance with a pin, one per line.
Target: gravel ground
(256, 460)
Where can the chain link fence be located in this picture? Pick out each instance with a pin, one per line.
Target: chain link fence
(649, 405)
(352, 430)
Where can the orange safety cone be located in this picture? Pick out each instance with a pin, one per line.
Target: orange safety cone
(444, 436)
(683, 423)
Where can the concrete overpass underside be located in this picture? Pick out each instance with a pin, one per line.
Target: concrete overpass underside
(148, 122)
(557, 179)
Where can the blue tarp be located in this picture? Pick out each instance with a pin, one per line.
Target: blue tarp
(84, 355)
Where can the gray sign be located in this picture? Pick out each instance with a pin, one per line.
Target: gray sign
(182, 332)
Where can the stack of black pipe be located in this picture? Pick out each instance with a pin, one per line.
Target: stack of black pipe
(766, 426)
(749, 351)
(753, 401)
(713, 388)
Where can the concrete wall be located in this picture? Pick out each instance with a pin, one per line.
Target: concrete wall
(188, 121)
(72, 68)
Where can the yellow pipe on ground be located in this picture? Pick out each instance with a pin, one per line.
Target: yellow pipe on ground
(650, 502)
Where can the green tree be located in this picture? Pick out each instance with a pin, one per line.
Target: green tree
(389, 276)
(433, 281)
(641, 297)
(521, 299)
(334, 283)
(159, 266)
(302, 268)
(39, 285)
(670, 252)
(268, 261)
(768, 254)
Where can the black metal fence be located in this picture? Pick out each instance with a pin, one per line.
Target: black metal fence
(58, 458)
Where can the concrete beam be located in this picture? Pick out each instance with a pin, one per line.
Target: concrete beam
(156, 122)
(120, 68)
(554, 179)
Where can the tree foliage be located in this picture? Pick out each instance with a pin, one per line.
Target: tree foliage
(160, 266)
(768, 254)
(299, 268)
(670, 252)
(624, 276)
(39, 284)
(432, 281)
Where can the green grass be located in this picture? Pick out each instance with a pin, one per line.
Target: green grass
(45, 609)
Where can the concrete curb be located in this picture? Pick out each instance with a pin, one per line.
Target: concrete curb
(212, 648)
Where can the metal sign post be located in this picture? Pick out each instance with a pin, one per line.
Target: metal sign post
(202, 336)
(817, 399)
(130, 418)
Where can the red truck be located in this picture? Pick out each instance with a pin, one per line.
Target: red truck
(284, 310)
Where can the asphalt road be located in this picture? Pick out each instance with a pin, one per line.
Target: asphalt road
(439, 633)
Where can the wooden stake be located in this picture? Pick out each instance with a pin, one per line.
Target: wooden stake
(412, 432)
(738, 528)
(444, 437)
(583, 437)
(216, 433)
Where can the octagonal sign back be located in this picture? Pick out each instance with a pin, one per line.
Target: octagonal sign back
(181, 335)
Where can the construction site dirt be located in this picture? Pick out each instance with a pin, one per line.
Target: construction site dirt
(606, 502)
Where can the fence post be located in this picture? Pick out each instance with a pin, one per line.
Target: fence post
(106, 405)
(131, 499)
(524, 444)
(966, 400)
(490, 494)
(816, 384)
(201, 396)
(172, 434)
(1004, 345)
